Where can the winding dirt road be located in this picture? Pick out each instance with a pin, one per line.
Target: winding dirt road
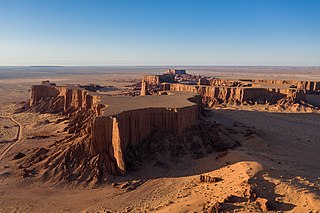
(16, 141)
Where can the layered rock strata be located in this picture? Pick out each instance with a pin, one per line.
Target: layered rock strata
(63, 99)
(113, 134)
(309, 86)
(150, 84)
(240, 94)
(157, 79)
(215, 91)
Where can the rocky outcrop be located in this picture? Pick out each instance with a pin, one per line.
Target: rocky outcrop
(215, 91)
(219, 94)
(50, 98)
(113, 134)
(293, 105)
(222, 94)
(157, 79)
(225, 82)
(310, 87)
(144, 89)
(292, 99)
(151, 79)
(151, 84)
(183, 87)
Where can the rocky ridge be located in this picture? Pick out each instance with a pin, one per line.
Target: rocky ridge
(216, 92)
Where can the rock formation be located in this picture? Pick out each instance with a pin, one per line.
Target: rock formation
(157, 79)
(100, 137)
(144, 88)
(50, 98)
(216, 91)
(239, 95)
(113, 134)
(309, 86)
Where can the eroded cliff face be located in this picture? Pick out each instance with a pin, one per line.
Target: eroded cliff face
(309, 86)
(157, 79)
(48, 98)
(113, 134)
(97, 144)
(224, 82)
(220, 94)
(183, 87)
(151, 79)
(216, 91)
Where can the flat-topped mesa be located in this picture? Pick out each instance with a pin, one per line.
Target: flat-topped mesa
(217, 90)
(128, 121)
(100, 144)
(114, 134)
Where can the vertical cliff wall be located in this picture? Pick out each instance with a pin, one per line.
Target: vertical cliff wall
(144, 89)
(41, 92)
(222, 94)
(239, 91)
(151, 79)
(309, 86)
(113, 134)
(70, 99)
(184, 88)
(240, 94)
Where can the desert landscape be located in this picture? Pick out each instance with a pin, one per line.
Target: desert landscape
(152, 139)
(200, 106)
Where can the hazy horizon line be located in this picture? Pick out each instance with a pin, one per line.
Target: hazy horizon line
(135, 65)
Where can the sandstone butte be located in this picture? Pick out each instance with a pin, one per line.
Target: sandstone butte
(218, 90)
(118, 121)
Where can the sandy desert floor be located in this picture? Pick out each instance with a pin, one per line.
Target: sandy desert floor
(279, 161)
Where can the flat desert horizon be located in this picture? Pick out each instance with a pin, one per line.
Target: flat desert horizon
(14, 77)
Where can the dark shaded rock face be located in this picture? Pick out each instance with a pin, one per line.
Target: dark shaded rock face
(197, 142)
(19, 155)
(96, 87)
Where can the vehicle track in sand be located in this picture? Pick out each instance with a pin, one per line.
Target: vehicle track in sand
(16, 141)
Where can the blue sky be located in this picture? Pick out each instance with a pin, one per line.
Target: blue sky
(160, 32)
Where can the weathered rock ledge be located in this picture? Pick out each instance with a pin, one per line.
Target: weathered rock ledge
(217, 91)
(54, 99)
(221, 94)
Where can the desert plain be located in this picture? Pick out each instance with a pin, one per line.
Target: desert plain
(269, 161)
